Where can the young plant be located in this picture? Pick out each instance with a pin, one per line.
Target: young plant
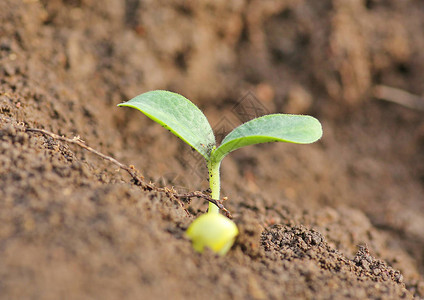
(184, 119)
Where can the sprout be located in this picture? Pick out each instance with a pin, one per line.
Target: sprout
(184, 119)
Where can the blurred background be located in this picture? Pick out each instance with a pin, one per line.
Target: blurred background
(356, 65)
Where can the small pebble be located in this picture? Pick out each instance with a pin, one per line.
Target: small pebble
(365, 264)
(10, 130)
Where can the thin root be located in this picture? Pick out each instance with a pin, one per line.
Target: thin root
(131, 170)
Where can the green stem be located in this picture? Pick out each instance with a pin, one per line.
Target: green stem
(214, 183)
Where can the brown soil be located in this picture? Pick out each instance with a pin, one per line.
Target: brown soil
(342, 218)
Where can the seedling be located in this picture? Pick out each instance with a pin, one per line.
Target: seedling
(184, 119)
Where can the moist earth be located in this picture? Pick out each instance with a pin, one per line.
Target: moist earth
(339, 219)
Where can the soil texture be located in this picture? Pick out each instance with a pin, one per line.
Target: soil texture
(339, 219)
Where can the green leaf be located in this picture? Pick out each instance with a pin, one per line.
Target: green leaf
(179, 115)
(298, 129)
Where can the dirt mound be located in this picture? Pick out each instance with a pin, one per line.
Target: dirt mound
(305, 253)
(75, 226)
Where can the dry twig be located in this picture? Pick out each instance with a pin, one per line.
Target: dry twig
(399, 96)
(138, 180)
